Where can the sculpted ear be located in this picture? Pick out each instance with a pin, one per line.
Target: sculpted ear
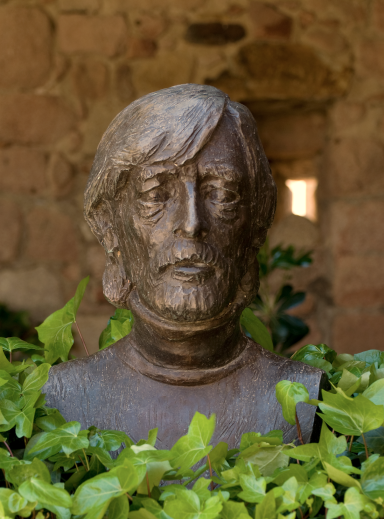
(116, 285)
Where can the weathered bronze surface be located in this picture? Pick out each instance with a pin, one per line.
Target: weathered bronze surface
(181, 197)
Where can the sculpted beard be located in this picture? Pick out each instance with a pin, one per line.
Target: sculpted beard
(191, 299)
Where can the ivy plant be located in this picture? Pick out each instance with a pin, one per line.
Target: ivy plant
(51, 468)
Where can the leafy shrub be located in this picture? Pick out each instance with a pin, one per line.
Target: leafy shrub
(51, 468)
(286, 330)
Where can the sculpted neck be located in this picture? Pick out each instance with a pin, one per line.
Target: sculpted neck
(188, 346)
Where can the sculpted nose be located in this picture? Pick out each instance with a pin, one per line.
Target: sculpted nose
(192, 223)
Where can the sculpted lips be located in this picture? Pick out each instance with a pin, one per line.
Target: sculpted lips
(192, 271)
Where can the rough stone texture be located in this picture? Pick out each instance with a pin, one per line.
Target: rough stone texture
(357, 167)
(51, 236)
(295, 230)
(36, 290)
(25, 47)
(357, 332)
(269, 23)
(22, 170)
(292, 136)
(10, 230)
(79, 5)
(283, 71)
(90, 79)
(357, 227)
(31, 119)
(214, 33)
(95, 34)
(359, 281)
(69, 66)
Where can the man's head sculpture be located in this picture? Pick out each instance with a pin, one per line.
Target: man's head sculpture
(181, 197)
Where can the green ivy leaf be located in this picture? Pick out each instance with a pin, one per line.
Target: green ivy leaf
(51, 421)
(234, 510)
(268, 458)
(36, 379)
(22, 418)
(187, 504)
(267, 508)
(99, 491)
(341, 477)
(118, 508)
(68, 437)
(16, 503)
(353, 504)
(288, 395)
(372, 480)
(192, 447)
(11, 344)
(375, 392)
(374, 440)
(80, 290)
(351, 416)
(256, 329)
(48, 495)
(56, 331)
(320, 356)
(108, 439)
(370, 357)
(119, 325)
(23, 472)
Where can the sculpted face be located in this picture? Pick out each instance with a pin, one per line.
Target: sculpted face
(184, 230)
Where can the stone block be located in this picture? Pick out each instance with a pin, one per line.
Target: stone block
(90, 79)
(167, 69)
(325, 39)
(357, 227)
(268, 22)
(353, 333)
(51, 236)
(292, 136)
(33, 119)
(279, 71)
(214, 33)
(25, 47)
(369, 62)
(96, 261)
(22, 170)
(148, 26)
(123, 84)
(354, 167)
(36, 290)
(104, 35)
(79, 5)
(141, 48)
(378, 14)
(10, 230)
(294, 230)
(359, 281)
(60, 175)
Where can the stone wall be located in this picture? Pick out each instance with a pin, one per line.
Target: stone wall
(311, 71)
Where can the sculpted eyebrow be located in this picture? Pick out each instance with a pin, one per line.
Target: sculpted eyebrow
(147, 173)
(220, 170)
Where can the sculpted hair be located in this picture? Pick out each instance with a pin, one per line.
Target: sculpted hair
(169, 126)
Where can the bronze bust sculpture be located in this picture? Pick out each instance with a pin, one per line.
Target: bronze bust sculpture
(181, 197)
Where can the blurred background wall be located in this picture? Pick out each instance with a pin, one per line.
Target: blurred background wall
(311, 72)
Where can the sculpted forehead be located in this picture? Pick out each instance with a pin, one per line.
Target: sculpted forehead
(224, 152)
(223, 156)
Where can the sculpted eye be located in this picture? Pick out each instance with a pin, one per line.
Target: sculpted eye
(222, 196)
(157, 195)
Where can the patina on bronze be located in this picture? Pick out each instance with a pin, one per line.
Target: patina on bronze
(181, 197)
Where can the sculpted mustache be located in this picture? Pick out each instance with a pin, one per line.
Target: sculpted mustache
(184, 250)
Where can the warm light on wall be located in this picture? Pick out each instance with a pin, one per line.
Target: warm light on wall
(303, 197)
